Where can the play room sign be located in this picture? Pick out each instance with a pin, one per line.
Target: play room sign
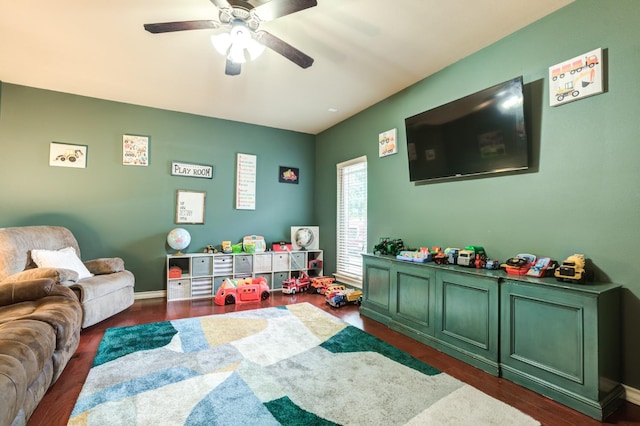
(191, 170)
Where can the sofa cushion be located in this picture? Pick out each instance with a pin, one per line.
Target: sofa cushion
(26, 351)
(101, 285)
(16, 244)
(65, 258)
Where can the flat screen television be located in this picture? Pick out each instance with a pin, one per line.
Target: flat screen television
(480, 134)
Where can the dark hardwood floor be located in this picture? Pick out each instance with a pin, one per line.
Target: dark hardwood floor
(56, 406)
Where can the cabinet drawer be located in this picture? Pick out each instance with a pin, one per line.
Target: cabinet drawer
(223, 265)
(278, 277)
(201, 265)
(298, 261)
(281, 261)
(243, 264)
(262, 262)
(178, 289)
(201, 287)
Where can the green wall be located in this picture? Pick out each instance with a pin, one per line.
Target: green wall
(126, 211)
(582, 196)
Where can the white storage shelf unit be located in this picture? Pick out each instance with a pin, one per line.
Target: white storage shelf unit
(200, 274)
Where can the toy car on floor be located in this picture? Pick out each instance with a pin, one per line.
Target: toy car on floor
(339, 297)
(242, 290)
(320, 284)
(295, 285)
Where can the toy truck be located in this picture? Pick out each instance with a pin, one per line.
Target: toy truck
(320, 284)
(243, 290)
(572, 269)
(295, 285)
(341, 297)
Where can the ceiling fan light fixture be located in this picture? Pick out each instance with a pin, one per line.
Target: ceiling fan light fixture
(221, 42)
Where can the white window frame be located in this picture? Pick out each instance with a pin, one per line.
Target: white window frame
(349, 262)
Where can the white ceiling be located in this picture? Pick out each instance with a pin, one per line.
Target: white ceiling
(364, 51)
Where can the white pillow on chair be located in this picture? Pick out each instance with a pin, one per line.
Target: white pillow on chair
(65, 258)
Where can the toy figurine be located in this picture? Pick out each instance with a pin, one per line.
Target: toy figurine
(210, 249)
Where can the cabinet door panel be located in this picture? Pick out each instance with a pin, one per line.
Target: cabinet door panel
(378, 283)
(415, 293)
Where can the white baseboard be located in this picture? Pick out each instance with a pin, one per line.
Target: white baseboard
(632, 395)
(150, 294)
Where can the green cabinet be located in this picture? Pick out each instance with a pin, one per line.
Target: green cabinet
(563, 341)
(558, 339)
(467, 318)
(376, 298)
(453, 309)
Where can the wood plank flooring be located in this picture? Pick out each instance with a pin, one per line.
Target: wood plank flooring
(57, 404)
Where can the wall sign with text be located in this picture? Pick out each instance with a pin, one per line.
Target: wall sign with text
(191, 170)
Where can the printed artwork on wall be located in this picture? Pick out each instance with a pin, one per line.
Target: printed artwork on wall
(67, 155)
(387, 143)
(135, 150)
(576, 78)
(288, 175)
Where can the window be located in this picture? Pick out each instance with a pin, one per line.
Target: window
(351, 220)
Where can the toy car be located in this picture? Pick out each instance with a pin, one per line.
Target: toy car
(572, 269)
(243, 290)
(320, 284)
(519, 264)
(293, 285)
(340, 297)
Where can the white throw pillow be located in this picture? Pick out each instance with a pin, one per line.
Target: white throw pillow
(65, 258)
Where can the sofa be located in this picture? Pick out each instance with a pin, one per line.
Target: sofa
(40, 324)
(103, 286)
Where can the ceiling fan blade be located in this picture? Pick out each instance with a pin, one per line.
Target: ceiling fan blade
(220, 4)
(285, 49)
(168, 27)
(277, 8)
(232, 68)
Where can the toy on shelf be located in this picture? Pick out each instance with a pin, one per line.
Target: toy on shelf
(242, 290)
(319, 284)
(175, 272)
(340, 297)
(572, 269)
(492, 264)
(452, 255)
(210, 249)
(387, 246)
(414, 256)
(519, 264)
(438, 255)
(294, 285)
(226, 247)
(543, 267)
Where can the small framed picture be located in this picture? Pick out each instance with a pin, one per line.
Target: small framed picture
(387, 142)
(135, 150)
(68, 155)
(576, 78)
(288, 175)
(190, 207)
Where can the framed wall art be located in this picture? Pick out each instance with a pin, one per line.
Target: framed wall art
(288, 175)
(135, 150)
(67, 155)
(576, 78)
(387, 143)
(190, 207)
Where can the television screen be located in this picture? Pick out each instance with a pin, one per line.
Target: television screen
(479, 134)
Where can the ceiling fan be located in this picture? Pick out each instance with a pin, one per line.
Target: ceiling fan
(243, 18)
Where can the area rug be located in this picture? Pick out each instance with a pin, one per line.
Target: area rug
(292, 365)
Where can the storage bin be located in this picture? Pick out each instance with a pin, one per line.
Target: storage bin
(243, 264)
(201, 265)
(178, 289)
(223, 265)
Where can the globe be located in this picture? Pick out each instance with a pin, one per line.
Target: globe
(178, 239)
(303, 238)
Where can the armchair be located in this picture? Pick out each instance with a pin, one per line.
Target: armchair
(103, 286)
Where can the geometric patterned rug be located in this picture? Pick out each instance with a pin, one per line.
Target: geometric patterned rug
(290, 365)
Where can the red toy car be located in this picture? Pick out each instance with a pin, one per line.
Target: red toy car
(294, 285)
(243, 290)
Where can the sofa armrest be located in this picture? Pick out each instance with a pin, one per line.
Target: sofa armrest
(59, 275)
(24, 291)
(105, 265)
